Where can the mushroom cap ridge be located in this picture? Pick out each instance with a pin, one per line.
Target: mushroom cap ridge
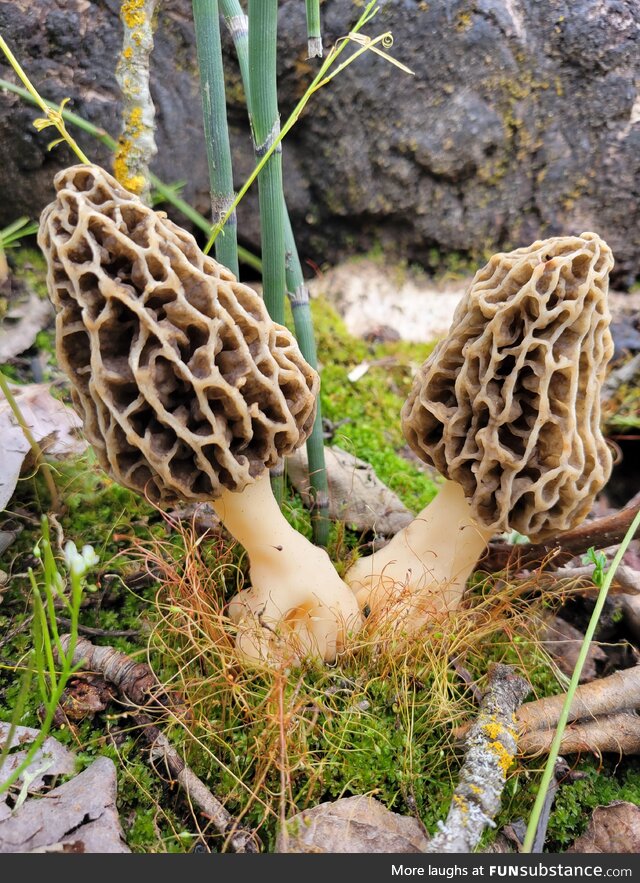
(508, 405)
(185, 385)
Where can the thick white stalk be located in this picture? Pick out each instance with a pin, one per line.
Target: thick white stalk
(297, 604)
(424, 569)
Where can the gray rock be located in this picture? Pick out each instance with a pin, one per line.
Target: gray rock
(522, 120)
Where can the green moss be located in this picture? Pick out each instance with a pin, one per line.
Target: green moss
(599, 785)
(371, 406)
(30, 266)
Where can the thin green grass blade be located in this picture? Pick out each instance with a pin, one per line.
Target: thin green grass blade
(573, 685)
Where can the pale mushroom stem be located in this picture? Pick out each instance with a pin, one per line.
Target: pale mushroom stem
(296, 600)
(423, 571)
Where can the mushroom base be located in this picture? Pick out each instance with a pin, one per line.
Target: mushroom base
(423, 571)
(297, 604)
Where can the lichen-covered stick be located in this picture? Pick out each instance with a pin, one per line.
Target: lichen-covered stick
(507, 409)
(491, 747)
(188, 391)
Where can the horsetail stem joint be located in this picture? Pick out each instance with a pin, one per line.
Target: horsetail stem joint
(262, 149)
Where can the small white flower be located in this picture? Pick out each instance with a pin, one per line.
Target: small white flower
(90, 556)
(70, 553)
(79, 562)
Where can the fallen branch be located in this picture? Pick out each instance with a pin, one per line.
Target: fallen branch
(607, 696)
(616, 734)
(134, 680)
(138, 684)
(599, 533)
(491, 746)
(160, 749)
(136, 144)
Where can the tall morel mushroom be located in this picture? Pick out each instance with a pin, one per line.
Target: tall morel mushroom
(507, 409)
(188, 391)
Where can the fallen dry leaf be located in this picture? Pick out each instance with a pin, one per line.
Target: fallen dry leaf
(356, 495)
(352, 824)
(613, 828)
(50, 761)
(21, 324)
(79, 816)
(53, 425)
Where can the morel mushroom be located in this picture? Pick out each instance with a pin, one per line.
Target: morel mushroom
(507, 409)
(188, 391)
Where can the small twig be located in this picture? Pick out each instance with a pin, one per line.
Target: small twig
(599, 533)
(138, 684)
(26, 622)
(99, 633)
(160, 749)
(559, 771)
(490, 749)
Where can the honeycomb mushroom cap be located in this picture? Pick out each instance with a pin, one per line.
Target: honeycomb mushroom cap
(185, 385)
(508, 405)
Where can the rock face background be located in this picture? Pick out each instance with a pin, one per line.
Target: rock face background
(522, 120)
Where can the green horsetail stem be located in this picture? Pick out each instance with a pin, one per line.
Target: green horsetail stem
(314, 34)
(298, 295)
(167, 192)
(265, 119)
(214, 111)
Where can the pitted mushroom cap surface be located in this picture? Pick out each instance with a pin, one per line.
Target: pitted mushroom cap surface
(508, 405)
(184, 383)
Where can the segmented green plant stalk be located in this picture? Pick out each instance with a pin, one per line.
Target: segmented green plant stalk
(314, 34)
(214, 110)
(263, 29)
(263, 89)
(297, 292)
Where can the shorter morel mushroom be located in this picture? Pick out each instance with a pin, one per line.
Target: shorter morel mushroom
(507, 409)
(189, 391)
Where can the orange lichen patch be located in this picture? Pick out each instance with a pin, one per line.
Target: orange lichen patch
(128, 52)
(475, 789)
(505, 759)
(126, 145)
(493, 729)
(135, 119)
(133, 14)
